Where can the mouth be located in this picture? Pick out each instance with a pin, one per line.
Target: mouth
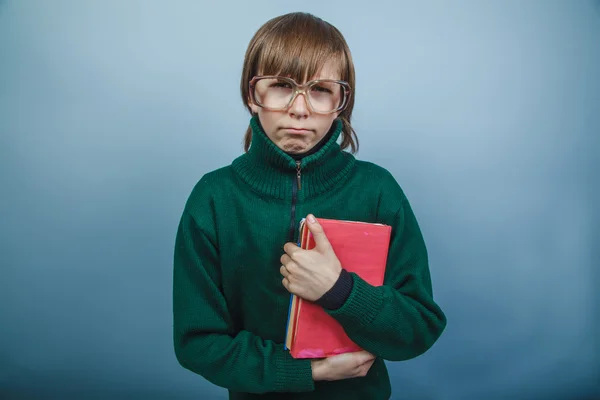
(297, 131)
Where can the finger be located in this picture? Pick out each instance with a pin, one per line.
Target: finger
(317, 232)
(283, 270)
(290, 286)
(368, 364)
(285, 259)
(290, 248)
(364, 369)
(360, 370)
(363, 356)
(292, 268)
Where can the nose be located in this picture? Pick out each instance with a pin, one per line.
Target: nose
(299, 108)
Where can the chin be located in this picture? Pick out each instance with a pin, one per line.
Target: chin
(294, 151)
(294, 148)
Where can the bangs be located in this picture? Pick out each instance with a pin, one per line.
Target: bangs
(299, 48)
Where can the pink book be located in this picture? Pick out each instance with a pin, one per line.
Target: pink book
(362, 248)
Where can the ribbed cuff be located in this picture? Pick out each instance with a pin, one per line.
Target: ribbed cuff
(335, 297)
(293, 375)
(361, 307)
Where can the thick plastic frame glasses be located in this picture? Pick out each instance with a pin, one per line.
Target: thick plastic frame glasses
(301, 89)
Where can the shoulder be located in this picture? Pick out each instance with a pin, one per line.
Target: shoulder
(391, 198)
(372, 168)
(380, 176)
(213, 178)
(208, 187)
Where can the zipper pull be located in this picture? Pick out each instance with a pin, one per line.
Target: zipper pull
(298, 175)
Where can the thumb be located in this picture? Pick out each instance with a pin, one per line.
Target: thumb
(316, 230)
(363, 357)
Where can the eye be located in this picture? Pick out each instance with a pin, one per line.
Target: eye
(321, 89)
(284, 85)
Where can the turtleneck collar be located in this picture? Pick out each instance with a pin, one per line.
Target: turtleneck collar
(316, 147)
(271, 171)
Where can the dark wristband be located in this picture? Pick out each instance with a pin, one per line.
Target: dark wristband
(335, 297)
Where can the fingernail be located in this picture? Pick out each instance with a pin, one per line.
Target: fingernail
(311, 219)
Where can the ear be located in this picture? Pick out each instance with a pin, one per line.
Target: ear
(253, 106)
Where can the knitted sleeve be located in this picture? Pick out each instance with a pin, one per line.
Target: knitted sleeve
(204, 339)
(400, 319)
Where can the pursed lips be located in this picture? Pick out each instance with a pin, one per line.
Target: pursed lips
(297, 130)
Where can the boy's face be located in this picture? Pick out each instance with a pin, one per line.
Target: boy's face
(297, 129)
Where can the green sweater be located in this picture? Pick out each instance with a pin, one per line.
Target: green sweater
(230, 308)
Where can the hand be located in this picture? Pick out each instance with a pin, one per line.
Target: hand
(342, 366)
(310, 273)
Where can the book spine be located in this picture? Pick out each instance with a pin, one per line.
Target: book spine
(299, 244)
(288, 322)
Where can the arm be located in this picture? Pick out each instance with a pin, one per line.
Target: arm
(399, 320)
(204, 339)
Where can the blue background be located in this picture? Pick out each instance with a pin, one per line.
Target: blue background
(486, 112)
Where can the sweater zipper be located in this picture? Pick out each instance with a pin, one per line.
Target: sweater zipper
(296, 186)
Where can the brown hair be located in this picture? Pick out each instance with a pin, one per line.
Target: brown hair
(298, 45)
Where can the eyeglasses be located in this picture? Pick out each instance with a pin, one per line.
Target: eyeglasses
(277, 93)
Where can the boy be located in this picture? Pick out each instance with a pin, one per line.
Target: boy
(236, 263)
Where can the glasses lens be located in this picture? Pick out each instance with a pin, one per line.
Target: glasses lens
(326, 96)
(273, 93)
(276, 93)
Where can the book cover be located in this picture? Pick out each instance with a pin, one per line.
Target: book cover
(362, 248)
